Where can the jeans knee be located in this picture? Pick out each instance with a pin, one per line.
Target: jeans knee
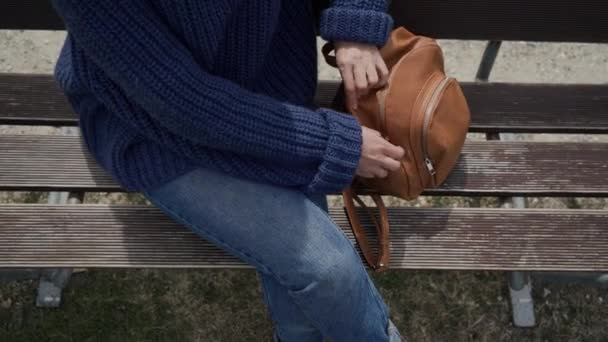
(337, 272)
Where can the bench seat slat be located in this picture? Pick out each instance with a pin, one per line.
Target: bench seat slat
(52, 162)
(421, 238)
(496, 107)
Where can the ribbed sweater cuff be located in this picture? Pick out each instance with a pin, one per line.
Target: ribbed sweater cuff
(354, 25)
(341, 157)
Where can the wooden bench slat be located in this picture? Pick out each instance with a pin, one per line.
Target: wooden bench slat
(538, 20)
(421, 238)
(498, 107)
(524, 108)
(28, 15)
(52, 162)
(541, 20)
(33, 100)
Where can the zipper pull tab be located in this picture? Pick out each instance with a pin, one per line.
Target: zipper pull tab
(429, 166)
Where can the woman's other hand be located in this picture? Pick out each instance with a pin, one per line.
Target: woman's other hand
(362, 68)
(378, 156)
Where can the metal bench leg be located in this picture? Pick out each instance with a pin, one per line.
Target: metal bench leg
(520, 286)
(520, 291)
(487, 60)
(54, 280)
(520, 283)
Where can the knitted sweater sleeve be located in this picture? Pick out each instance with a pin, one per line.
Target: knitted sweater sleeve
(364, 21)
(131, 44)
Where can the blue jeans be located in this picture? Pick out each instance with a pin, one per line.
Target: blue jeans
(313, 281)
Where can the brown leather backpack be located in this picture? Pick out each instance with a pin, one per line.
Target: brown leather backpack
(421, 110)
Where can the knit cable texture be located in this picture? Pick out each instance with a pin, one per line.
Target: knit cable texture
(164, 87)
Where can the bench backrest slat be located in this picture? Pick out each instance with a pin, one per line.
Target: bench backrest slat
(539, 108)
(536, 20)
(531, 20)
(28, 15)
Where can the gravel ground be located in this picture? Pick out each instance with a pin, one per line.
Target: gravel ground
(36, 51)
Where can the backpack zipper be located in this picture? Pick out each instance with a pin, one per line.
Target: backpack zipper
(427, 122)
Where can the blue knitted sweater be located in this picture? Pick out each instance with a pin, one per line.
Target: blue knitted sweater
(164, 86)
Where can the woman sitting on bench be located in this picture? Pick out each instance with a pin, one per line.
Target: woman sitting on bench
(207, 108)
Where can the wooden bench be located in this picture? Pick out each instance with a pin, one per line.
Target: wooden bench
(62, 235)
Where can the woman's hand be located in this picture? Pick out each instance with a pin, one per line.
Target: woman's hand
(362, 68)
(378, 156)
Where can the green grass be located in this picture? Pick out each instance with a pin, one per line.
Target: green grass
(140, 305)
(226, 305)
